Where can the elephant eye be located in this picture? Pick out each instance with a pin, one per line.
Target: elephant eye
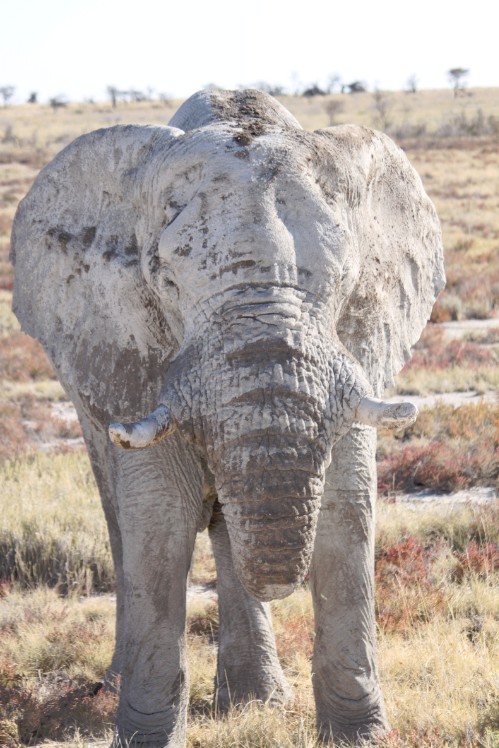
(165, 281)
(172, 212)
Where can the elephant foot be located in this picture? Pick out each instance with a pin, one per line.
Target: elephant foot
(275, 692)
(162, 729)
(126, 739)
(146, 741)
(357, 733)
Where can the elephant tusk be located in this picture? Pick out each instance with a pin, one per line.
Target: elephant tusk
(377, 413)
(149, 430)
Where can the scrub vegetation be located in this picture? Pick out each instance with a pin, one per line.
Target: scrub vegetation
(436, 573)
(437, 564)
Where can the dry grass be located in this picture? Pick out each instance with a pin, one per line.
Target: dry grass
(453, 379)
(53, 529)
(447, 449)
(487, 337)
(461, 180)
(256, 727)
(441, 364)
(437, 668)
(28, 389)
(436, 605)
(8, 322)
(52, 650)
(23, 359)
(441, 658)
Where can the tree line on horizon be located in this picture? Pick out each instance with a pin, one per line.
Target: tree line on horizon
(457, 76)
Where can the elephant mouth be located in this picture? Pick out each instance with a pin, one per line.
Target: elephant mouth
(266, 412)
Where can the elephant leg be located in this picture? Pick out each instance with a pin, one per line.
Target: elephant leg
(160, 502)
(248, 667)
(345, 674)
(102, 458)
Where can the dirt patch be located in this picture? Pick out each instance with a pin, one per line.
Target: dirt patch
(460, 328)
(447, 398)
(446, 502)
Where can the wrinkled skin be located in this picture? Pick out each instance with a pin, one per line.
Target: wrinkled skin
(254, 286)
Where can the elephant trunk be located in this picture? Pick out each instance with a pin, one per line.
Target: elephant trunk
(275, 406)
(265, 399)
(271, 510)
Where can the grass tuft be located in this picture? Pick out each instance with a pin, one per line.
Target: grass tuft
(53, 531)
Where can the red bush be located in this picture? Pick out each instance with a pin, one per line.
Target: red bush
(407, 560)
(415, 467)
(443, 467)
(67, 707)
(454, 353)
(22, 359)
(297, 636)
(479, 560)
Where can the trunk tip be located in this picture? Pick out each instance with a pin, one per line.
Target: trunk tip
(377, 413)
(143, 433)
(119, 435)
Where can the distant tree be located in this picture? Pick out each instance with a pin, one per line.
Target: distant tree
(354, 87)
(135, 95)
(456, 76)
(313, 90)
(412, 84)
(6, 92)
(113, 92)
(334, 82)
(270, 88)
(332, 108)
(58, 102)
(33, 98)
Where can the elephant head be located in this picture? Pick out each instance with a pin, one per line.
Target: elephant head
(271, 281)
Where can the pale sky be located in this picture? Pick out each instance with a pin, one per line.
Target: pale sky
(77, 48)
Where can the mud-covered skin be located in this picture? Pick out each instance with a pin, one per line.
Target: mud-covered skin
(244, 288)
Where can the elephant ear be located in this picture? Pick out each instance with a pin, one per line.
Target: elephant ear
(397, 232)
(76, 245)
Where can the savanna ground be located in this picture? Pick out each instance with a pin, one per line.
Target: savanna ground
(437, 563)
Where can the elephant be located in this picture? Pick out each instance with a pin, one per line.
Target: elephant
(225, 300)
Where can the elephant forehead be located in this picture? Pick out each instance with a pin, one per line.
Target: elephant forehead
(216, 162)
(254, 213)
(243, 187)
(231, 226)
(236, 154)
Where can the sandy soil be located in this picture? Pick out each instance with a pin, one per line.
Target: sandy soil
(448, 398)
(446, 502)
(459, 328)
